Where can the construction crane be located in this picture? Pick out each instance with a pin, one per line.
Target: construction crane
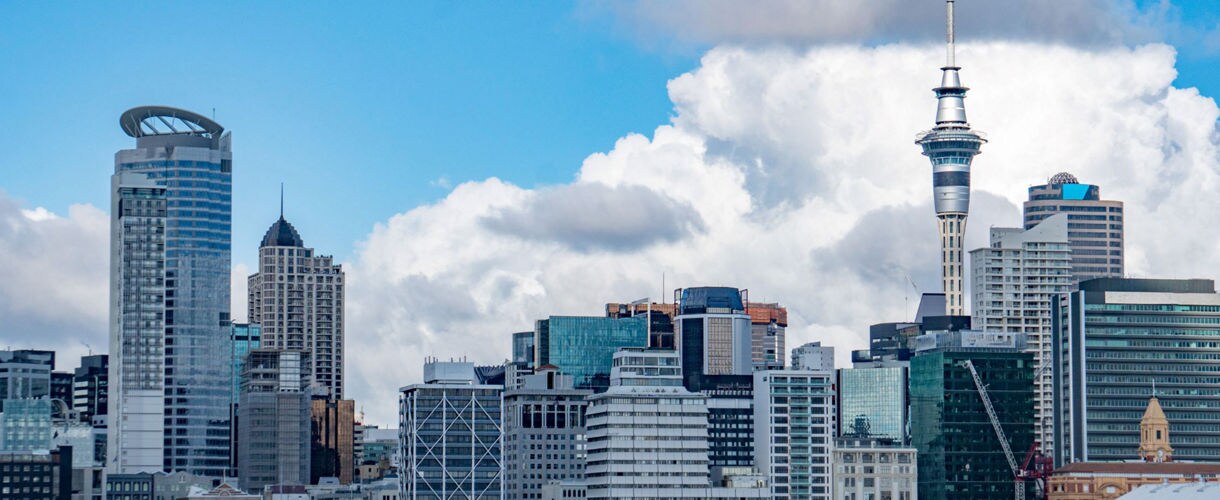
(1017, 473)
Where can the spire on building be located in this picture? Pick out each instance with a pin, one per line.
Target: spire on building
(951, 146)
(1154, 434)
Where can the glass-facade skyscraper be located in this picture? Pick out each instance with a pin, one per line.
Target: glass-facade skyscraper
(873, 403)
(584, 346)
(1116, 341)
(170, 239)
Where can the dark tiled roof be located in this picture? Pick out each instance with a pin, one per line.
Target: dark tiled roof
(282, 234)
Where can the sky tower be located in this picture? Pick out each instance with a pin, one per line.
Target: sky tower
(951, 146)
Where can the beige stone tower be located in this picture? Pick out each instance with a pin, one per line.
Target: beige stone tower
(1154, 434)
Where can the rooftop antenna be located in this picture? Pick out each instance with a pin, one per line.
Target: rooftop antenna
(949, 33)
(281, 199)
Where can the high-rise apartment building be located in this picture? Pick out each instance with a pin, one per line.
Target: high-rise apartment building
(170, 239)
(713, 332)
(1119, 341)
(450, 440)
(273, 419)
(582, 346)
(544, 433)
(768, 326)
(951, 146)
(1095, 226)
(90, 395)
(794, 430)
(1014, 282)
(297, 298)
(631, 454)
(873, 402)
(960, 455)
(814, 356)
(332, 441)
(25, 374)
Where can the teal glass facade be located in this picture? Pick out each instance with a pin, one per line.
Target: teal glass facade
(26, 425)
(245, 337)
(873, 403)
(1118, 340)
(584, 346)
(959, 454)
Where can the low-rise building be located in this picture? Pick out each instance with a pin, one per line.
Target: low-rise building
(874, 468)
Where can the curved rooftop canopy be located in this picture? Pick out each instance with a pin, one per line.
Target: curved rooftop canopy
(1063, 178)
(144, 121)
(282, 234)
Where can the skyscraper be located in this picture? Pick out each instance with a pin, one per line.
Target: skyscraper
(273, 419)
(297, 298)
(1116, 342)
(714, 335)
(1095, 226)
(794, 430)
(951, 145)
(332, 443)
(170, 238)
(1014, 282)
(768, 325)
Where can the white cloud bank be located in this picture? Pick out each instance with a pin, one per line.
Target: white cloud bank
(793, 174)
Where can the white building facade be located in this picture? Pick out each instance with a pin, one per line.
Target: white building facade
(872, 469)
(794, 428)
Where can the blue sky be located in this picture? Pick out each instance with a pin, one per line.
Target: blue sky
(362, 112)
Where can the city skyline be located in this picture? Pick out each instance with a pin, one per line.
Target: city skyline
(829, 187)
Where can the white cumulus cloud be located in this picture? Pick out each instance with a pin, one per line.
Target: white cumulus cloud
(792, 173)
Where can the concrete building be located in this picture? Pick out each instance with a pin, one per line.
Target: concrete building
(137, 486)
(450, 415)
(25, 374)
(1095, 226)
(544, 433)
(273, 419)
(874, 402)
(297, 299)
(794, 430)
(1114, 341)
(1014, 282)
(90, 395)
(170, 242)
(813, 356)
(332, 443)
(873, 468)
(582, 346)
(960, 455)
(768, 327)
(37, 475)
(713, 332)
(951, 146)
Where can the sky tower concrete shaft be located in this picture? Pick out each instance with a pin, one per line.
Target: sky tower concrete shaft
(951, 145)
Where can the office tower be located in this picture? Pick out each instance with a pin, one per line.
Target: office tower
(25, 374)
(331, 449)
(90, 395)
(768, 324)
(170, 238)
(875, 468)
(814, 356)
(794, 429)
(450, 415)
(273, 419)
(582, 346)
(730, 422)
(960, 455)
(631, 454)
(41, 475)
(523, 348)
(246, 337)
(713, 331)
(661, 327)
(297, 299)
(544, 433)
(25, 425)
(873, 402)
(1014, 282)
(1117, 342)
(951, 146)
(1095, 226)
(61, 388)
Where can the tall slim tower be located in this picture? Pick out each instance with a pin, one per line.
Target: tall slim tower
(951, 146)
(170, 236)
